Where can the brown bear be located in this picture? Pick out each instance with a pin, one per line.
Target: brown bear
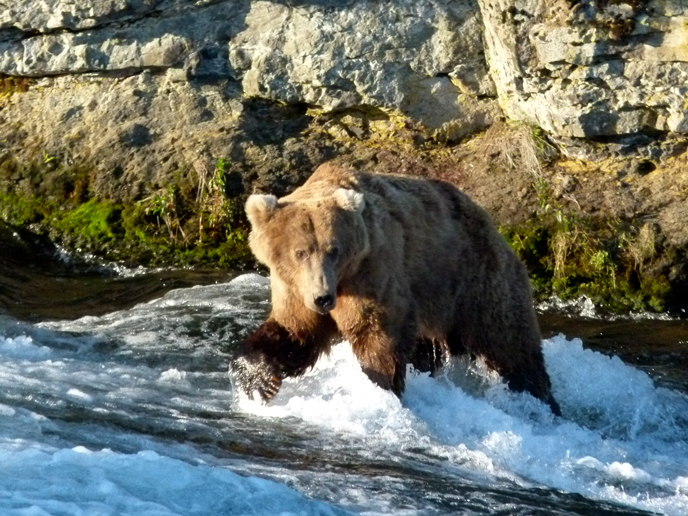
(408, 270)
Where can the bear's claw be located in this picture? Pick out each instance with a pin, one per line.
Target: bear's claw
(271, 389)
(254, 374)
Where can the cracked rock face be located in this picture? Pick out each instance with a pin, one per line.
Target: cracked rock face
(584, 68)
(136, 90)
(99, 36)
(422, 59)
(577, 68)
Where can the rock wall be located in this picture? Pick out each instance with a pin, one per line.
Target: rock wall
(165, 71)
(591, 68)
(138, 87)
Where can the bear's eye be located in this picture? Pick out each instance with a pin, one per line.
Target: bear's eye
(301, 254)
(333, 252)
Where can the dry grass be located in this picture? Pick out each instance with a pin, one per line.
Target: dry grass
(12, 85)
(642, 248)
(562, 245)
(515, 147)
(210, 199)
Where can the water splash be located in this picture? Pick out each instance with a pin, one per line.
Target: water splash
(154, 379)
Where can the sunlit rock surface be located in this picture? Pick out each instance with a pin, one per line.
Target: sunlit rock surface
(422, 59)
(589, 69)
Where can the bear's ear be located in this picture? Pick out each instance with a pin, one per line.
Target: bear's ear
(259, 208)
(350, 200)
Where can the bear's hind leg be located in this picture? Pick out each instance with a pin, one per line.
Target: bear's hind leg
(527, 375)
(429, 355)
(531, 376)
(515, 353)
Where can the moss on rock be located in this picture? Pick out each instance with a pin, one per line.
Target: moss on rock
(179, 225)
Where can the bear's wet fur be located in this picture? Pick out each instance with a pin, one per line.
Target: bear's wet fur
(407, 270)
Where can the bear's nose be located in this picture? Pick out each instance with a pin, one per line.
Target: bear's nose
(324, 302)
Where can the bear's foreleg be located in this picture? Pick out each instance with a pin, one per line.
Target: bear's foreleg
(383, 351)
(273, 353)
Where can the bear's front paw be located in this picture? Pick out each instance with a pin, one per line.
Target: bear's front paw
(254, 374)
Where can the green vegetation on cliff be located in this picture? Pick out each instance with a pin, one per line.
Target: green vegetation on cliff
(196, 218)
(569, 252)
(183, 224)
(604, 260)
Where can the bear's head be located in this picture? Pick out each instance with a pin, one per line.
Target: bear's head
(310, 245)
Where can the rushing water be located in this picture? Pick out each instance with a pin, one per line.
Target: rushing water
(131, 411)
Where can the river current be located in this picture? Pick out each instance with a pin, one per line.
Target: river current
(115, 399)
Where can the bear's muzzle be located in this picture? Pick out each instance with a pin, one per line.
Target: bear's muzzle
(325, 303)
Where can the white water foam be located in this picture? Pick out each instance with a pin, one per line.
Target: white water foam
(583, 306)
(40, 478)
(57, 368)
(621, 439)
